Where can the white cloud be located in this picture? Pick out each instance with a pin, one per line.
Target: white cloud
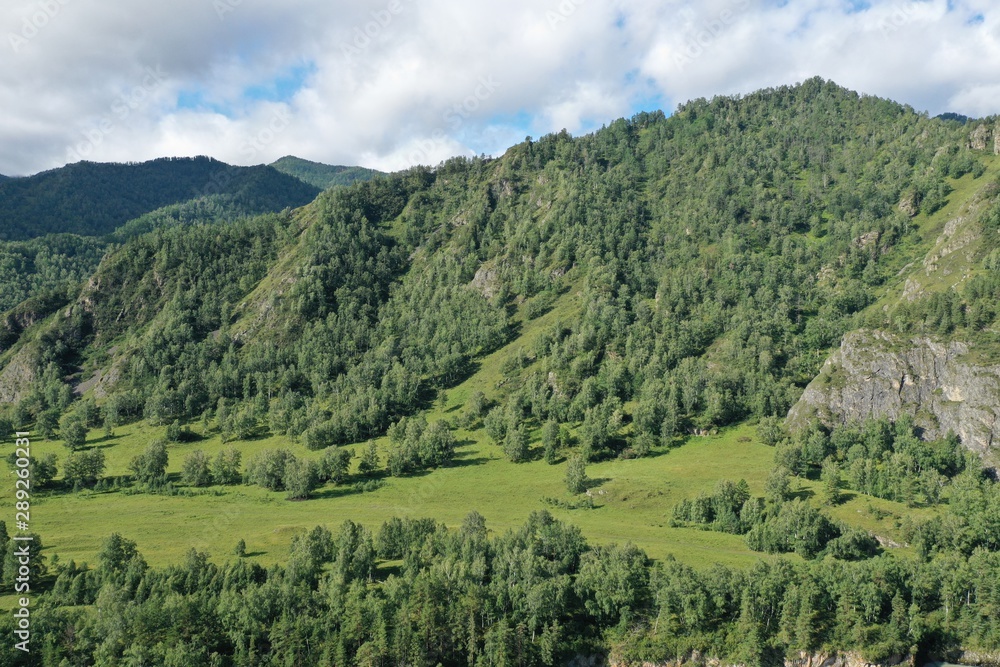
(390, 82)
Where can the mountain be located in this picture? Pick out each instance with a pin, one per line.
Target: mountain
(93, 199)
(323, 176)
(960, 118)
(556, 365)
(729, 247)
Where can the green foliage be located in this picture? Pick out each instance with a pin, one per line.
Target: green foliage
(43, 470)
(322, 176)
(73, 430)
(225, 467)
(417, 446)
(23, 562)
(267, 469)
(551, 441)
(300, 478)
(197, 469)
(884, 460)
(576, 475)
(84, 468)
(93, 199)
(515, 444)
(150, 467)
(370, 461)
(334, 465)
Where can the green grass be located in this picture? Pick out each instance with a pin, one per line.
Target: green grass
(633, 499)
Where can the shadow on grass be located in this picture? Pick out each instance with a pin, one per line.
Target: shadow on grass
(459, 462)
(802, 494)
(596, 482)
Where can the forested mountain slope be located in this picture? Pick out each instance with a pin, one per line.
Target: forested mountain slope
(581, 315)
(321, 175)
(721, 252)
(92, 199)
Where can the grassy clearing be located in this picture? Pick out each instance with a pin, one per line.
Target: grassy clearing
(632, 499)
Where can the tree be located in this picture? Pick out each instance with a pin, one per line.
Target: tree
(334, 465)
(84, 468)
(43, 470)
(322, 435)
(475, 407)
(777, 488)
(226, 467)
(614, 582)
(267, 469)
(174, 431)
(241, 549)
(437, 445)
(576, 475)
(6, 429)
(300, 478)
(496, 425)
(73, 430)
(14, 560)
(551, 441)
(369, 462)
(48, 421)
(515, 444)
(831, 479)
(116, 553)
(150, 467)
(197, 469)
(771, 431)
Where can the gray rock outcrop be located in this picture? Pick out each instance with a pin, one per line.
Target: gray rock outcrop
(875, 374)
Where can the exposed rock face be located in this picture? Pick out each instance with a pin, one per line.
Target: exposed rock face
(980, 138)
(487, 281)
(17, 376)
(875, 374)
(982, 658)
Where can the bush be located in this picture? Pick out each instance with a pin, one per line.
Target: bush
(267, 469)
(150, 467)
(196, 470)
(226, 467)
(576, 475)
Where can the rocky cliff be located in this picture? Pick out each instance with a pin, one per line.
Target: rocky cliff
(876, 374)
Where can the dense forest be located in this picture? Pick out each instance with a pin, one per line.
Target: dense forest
(415, 592)
(719, 252)
(92, 199)
(323, 176)
(716, 256)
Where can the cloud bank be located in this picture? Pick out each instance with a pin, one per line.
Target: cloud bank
(391, 83)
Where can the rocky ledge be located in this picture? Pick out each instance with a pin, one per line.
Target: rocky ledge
(876, 374)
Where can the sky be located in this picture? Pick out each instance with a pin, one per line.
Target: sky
(392, 83)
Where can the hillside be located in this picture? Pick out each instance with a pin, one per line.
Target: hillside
(323, 176)
(512, 383)
(91, 199)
